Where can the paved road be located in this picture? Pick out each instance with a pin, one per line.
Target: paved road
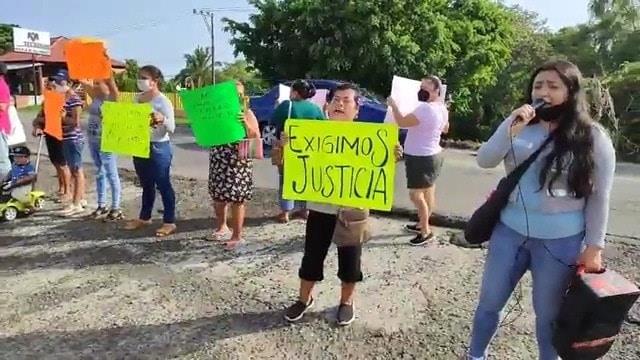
(461, 187)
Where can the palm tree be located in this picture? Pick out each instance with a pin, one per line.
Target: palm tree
(625, 13)
(198, 66)
(611, 20)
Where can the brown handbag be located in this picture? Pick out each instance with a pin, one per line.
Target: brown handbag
(352, 227)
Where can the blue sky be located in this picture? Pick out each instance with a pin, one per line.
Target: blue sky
(161, 31)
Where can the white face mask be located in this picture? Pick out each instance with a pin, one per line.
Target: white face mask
(62, 88)
(144, 85)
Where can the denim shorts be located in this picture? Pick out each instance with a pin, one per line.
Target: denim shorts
(73, 152)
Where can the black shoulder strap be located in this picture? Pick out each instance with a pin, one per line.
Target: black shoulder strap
(517, 173)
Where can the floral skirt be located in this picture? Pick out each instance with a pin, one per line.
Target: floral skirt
(230, 176)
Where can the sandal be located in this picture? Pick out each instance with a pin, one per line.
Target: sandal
(218, 235)
(136, 224)
(282, 218)
(232, 244)
(166, 230)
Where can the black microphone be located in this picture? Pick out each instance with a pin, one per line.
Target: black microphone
(536, 104)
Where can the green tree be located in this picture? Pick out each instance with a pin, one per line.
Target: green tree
(612, 21)
(576, 44)
(624, 85)
(240, 70)
(6, 37)
(127, 80)
(368, 41)
(531, 49)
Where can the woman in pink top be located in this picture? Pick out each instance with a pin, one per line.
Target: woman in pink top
(422, 150)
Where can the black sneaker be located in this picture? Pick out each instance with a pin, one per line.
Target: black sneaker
(99, 213)
(421, 239)
(296, 311)
(346, 314)
(412, 228)
(114, 215)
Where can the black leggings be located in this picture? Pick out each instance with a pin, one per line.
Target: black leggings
(319, 232)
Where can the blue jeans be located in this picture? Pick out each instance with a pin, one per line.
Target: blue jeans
(106, 170)
(287, 205)
(508, 259)
(72, 149)
(155, 172)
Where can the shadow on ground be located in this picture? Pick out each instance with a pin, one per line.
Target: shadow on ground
(160, 341)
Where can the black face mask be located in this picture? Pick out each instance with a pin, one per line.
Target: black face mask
(423, 95)
(552, 113)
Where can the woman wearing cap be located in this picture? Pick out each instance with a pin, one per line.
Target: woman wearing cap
(155, 172)
(72, 142)
(423, 159)
(106, 163)
(231, 177)
(55, 152)
(298, 107)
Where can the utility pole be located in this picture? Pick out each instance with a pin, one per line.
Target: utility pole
(208, 16)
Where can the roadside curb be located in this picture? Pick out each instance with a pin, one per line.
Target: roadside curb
(437, 219)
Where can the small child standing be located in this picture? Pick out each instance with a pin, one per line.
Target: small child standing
(22, 175)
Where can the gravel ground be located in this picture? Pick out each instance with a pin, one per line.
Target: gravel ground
(81, 289)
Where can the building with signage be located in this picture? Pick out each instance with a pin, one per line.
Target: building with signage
(32, 53)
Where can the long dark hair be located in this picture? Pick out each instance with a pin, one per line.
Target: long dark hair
(573, 140)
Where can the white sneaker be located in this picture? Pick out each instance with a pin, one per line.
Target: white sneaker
(72, 211)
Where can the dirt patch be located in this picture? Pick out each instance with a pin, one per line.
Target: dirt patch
(81, 289)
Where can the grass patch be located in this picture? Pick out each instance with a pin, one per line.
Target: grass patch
(30, 108)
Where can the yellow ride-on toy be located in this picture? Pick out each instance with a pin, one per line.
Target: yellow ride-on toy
(10, 208)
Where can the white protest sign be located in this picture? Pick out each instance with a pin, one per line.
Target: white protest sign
(283, 93)
(320, 98)
(405, 93)
(443, 92)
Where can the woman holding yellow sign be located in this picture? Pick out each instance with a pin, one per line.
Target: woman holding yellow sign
(154, 172)
(106, 163)
(346, 227)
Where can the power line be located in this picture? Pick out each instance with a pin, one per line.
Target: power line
(142, 25)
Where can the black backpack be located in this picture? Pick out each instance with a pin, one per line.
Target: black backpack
(592, 313)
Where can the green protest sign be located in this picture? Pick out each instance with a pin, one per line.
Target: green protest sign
(213, 114)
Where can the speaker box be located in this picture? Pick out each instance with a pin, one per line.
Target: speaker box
(592, 313)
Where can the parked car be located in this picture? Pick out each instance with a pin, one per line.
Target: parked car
(371, 108)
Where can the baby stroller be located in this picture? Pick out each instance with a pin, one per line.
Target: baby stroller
(10, 207)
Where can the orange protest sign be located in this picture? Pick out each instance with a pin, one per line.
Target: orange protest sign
(53, 103)
(87, 60)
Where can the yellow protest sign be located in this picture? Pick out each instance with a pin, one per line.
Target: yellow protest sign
(339, 162)
(125, 128)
